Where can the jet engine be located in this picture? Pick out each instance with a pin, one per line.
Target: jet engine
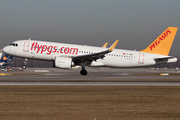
(63, 62)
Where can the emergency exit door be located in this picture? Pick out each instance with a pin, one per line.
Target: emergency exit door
(141, 58)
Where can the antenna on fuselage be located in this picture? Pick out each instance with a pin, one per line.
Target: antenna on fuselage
(29, 39)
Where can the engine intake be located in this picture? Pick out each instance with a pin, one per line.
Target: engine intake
(63, 62)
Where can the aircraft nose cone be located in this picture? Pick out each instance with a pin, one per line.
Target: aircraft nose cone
(5, 50)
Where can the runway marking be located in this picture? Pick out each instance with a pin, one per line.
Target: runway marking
(5, 74)
(164, 74)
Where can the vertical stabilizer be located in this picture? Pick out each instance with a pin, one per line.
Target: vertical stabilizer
(163, 43)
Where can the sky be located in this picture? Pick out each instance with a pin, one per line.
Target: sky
(136, 23)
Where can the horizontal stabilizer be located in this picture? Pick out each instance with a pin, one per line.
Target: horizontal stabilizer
(169, 59)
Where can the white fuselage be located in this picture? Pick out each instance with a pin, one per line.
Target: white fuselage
(43, 50)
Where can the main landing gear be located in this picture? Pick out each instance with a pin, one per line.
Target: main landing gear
(83, 71)
(24, 64)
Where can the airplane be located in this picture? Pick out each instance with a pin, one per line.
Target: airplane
(5, 60)
(69, 55)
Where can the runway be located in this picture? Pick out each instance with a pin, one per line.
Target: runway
(95, 77)
(172, 83)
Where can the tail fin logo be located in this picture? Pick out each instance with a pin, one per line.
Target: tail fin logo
(161, 38)
(4, 58)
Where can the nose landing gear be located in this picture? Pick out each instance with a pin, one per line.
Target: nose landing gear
(24, 64)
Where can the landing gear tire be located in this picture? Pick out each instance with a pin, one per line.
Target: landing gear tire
(83, 72)
(24, 67)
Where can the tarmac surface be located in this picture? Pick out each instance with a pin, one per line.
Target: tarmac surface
(96, 77)
(104, 94)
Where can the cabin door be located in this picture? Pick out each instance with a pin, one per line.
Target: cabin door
(26, 46)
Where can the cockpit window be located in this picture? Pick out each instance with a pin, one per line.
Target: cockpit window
(13, 44)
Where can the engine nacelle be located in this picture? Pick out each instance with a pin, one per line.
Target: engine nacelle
(63, 62)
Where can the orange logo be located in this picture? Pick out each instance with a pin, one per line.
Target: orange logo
(158, 40)
(4, 58)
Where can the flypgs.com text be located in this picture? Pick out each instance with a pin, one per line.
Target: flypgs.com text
(53, 49)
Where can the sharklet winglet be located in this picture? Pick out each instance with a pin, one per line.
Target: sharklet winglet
(104, 46)
(113, 45)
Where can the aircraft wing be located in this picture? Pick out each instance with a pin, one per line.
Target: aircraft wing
(88, 58)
